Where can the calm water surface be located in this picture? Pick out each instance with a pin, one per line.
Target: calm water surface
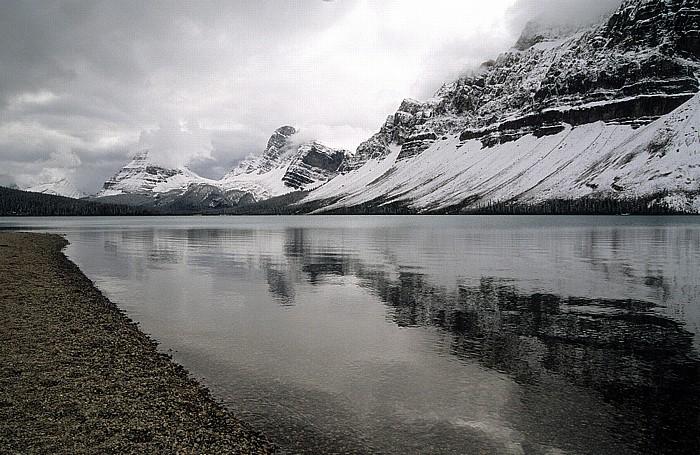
(532, 335)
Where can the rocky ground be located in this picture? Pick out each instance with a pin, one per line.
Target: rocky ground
(77, 376)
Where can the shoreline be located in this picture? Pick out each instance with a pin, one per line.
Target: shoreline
(78, 376)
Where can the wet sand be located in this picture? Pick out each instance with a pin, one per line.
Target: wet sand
(77, 376)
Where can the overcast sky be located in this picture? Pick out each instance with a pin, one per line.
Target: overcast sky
(86, 84)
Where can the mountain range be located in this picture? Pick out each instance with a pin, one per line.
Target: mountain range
(286, 165)
(608, 112)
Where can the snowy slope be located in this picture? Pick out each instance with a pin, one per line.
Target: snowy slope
(286, 165)
(599, 159)
(143, 176)
(261, 185)
(610, 111)
(61, 187)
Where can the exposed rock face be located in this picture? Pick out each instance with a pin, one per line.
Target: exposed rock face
(566, 114)
(313, 164)
(141, 176)
(671, 25)
(635, 67)
(405, 124)
(286, 165)
(278, 146)
(279, 139)
(374, 148)
(416, 144)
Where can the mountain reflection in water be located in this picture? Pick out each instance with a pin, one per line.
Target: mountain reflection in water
(422, 334)
(638, 361)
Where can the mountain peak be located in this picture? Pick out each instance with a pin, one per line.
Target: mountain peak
(61, 187)
(285, 130)
(142, 176)
(286, 164)
(279, 139)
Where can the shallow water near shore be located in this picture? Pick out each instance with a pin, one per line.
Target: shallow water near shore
(421, 334)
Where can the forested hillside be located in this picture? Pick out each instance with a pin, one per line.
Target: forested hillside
(22, 203)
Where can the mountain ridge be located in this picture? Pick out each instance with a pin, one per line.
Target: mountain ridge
(286, 165)
(607, 111)
(587, 115)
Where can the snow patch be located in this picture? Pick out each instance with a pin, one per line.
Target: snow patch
(61, 187)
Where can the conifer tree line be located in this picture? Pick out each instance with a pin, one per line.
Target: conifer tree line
(645, 205)
(24, 203)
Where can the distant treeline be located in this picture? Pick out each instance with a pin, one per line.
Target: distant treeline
(648, 205)
(279, 205)
(291, 204)
(24, 203)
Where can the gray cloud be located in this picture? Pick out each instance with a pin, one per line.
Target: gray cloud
(84, 84)
(561, 12)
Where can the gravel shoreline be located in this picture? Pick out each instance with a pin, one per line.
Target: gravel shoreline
(78, 376)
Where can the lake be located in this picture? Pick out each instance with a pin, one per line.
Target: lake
(421, 334)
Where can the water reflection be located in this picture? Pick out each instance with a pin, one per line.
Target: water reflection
(425, 335)
(280, 285)
(636, 364)
(635, 360)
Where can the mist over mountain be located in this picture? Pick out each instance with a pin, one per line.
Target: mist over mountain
(605, 111)
(61, 187)
(287, 164)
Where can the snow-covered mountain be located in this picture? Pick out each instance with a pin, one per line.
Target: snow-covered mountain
(61, 187)
(286, 165)
(604, 112)
(143, 176)
(607, 160)
(146, 183)
(607, 112)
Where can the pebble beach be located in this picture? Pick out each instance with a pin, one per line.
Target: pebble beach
(78, 376)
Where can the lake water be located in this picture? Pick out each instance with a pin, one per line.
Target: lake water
(515, 335)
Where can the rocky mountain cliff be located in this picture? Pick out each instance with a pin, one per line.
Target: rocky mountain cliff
(286, 165)
(607, 112)
(143, 182)
(636, 66)
(143, 176)
(610, 111)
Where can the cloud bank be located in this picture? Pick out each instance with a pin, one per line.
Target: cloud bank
(86, 84)
(177, 144)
